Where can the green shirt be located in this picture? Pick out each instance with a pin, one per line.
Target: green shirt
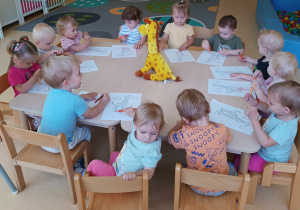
(231, 44)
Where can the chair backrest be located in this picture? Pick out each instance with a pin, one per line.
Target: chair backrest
(110, 185)
(4, 85)
(211, 181)
(202, 33)
(295, 154)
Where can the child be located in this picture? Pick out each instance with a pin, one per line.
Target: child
(23, 72)
(225, 42)
(129, 32)
(269, 41)
(204, 141)
(277, 134)
(141, 150)
(67, 27)
(62, 107)
(178, 34)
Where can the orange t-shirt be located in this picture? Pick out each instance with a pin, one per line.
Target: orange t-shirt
(205, 148)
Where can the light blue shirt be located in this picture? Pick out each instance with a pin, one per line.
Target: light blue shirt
(135, 155)
(61, 109)
(284, 133)
(134, 36)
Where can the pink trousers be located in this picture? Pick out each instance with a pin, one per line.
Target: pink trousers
(256, 163)
(100, 168)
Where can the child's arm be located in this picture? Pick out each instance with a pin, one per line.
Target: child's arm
(189, 42)
(247, 77)
(140, 43)
(250, 60)
(89, 96)
(257, 103)
(23, 88)
(205, 44)
(163, 41)
(81, 47)
(96, 110)
(259, 91)
(131, 175)
(86, 35)
(263, 138)
(42, 58)
(174, 129)
(232, 52)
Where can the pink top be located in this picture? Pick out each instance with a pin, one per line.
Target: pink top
(268, 83)
(19, 76)
(66, 43)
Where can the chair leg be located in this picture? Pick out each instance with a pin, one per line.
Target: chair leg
(252, 189)
(70, 178)
(19, 177)
(295, 191)
(86, 158)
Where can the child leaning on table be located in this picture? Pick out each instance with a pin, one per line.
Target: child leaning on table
(269, 41)
(23, 72)
(62, 107)
(277, 134)
(70, 41)
(129, 32)
(203, 141)
(178, 34)
(141, 150)
(225, 42)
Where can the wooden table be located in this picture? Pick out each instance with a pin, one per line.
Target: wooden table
(117, 75)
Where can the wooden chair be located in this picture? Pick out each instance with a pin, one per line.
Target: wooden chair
(186, 198)
(289, 174)
(33, 156)
(202, 33)
(112, 192)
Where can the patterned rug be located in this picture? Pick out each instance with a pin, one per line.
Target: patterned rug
(102, 18)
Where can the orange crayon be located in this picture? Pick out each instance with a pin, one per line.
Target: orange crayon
(241, 56)
(252, 88)
(122, 110)
(121, 37)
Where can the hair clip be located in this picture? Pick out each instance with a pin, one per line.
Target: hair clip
(18, 46)
(25, 39)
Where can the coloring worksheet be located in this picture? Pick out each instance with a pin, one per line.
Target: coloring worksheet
(223, 72)
(230, 88)
(88, 66)
(91, 103)
(123, 51)
(211, 58)
(118, 102)
(42, 88)
(95, 51)
(230, 116)
(176, 56)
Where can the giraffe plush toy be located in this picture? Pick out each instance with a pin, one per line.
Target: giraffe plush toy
(154, 59)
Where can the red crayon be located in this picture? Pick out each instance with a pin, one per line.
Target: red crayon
(122, 110)
(121, 37)
(99, 98)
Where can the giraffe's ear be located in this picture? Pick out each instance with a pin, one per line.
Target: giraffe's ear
(147, 20)
(161, 23)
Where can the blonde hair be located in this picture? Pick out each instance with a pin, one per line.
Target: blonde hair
(149, 113)
(285, 64)
(271, 39)
(288, 94)
(41, 31)
(192, 105)
(182, 6)
(57, 69)
(63, 22)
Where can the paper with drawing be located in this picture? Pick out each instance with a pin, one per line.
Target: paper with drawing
(224, 72)
(211, 58)
(95, 51)
(230, 88)
(123, 51)
(42, 88)
(176, 56)
(88, 66)
(230, 116)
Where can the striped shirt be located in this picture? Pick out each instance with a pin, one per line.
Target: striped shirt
(133, 36)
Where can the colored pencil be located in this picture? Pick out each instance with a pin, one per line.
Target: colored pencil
(252, 88)
(99, 98)
(241, 56)
(122, 110)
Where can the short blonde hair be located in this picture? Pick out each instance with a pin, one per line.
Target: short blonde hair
(149, 113)
(271, 39)
(63, 22)
(57, 69)
(192, 105)
(42, 30)
(285, 64)
(182, 6)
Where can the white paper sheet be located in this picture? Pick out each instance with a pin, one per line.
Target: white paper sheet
(123, 51)
(42, 88)
(224, 72)
(230, 88)
(176, 56)
(230, 116)
(120, 101)
(211, 58)
(96, 51)
(88, 66)
(90, 103)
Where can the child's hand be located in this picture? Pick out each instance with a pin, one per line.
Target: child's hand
(257, 73)
(87, 37)
(57, 52)
(224, 52)
(88, 41)
(205, 44)
(38, 74)
(137, 46)
(129, 111)
(129, 176)
(252, 113)
(105, 98)
(89, 96)
(236, 75)
(162, 46)
(249, 98)
(124, 38)
(182, 48)
(245, 59)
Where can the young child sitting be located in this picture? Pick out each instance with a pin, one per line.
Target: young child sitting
(62, 107)
(141, 150)
(178, 34)
(225, 42)
(269, 41)
(203, 141)
(23, 72)
(70, 41)
(129, 32)
(277, 134)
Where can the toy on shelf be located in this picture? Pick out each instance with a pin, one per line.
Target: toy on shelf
(290, 21)
(154, 59)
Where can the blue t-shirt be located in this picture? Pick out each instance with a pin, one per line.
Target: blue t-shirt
(284, 133)
(135, 155)
(61, 109)
(134, 36)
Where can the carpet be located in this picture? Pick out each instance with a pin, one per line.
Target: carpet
(102, 18)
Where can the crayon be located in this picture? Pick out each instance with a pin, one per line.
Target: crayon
(99, 98)
(241, 56)
(122, 110)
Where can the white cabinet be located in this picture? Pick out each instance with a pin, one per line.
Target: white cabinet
(8, 12)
